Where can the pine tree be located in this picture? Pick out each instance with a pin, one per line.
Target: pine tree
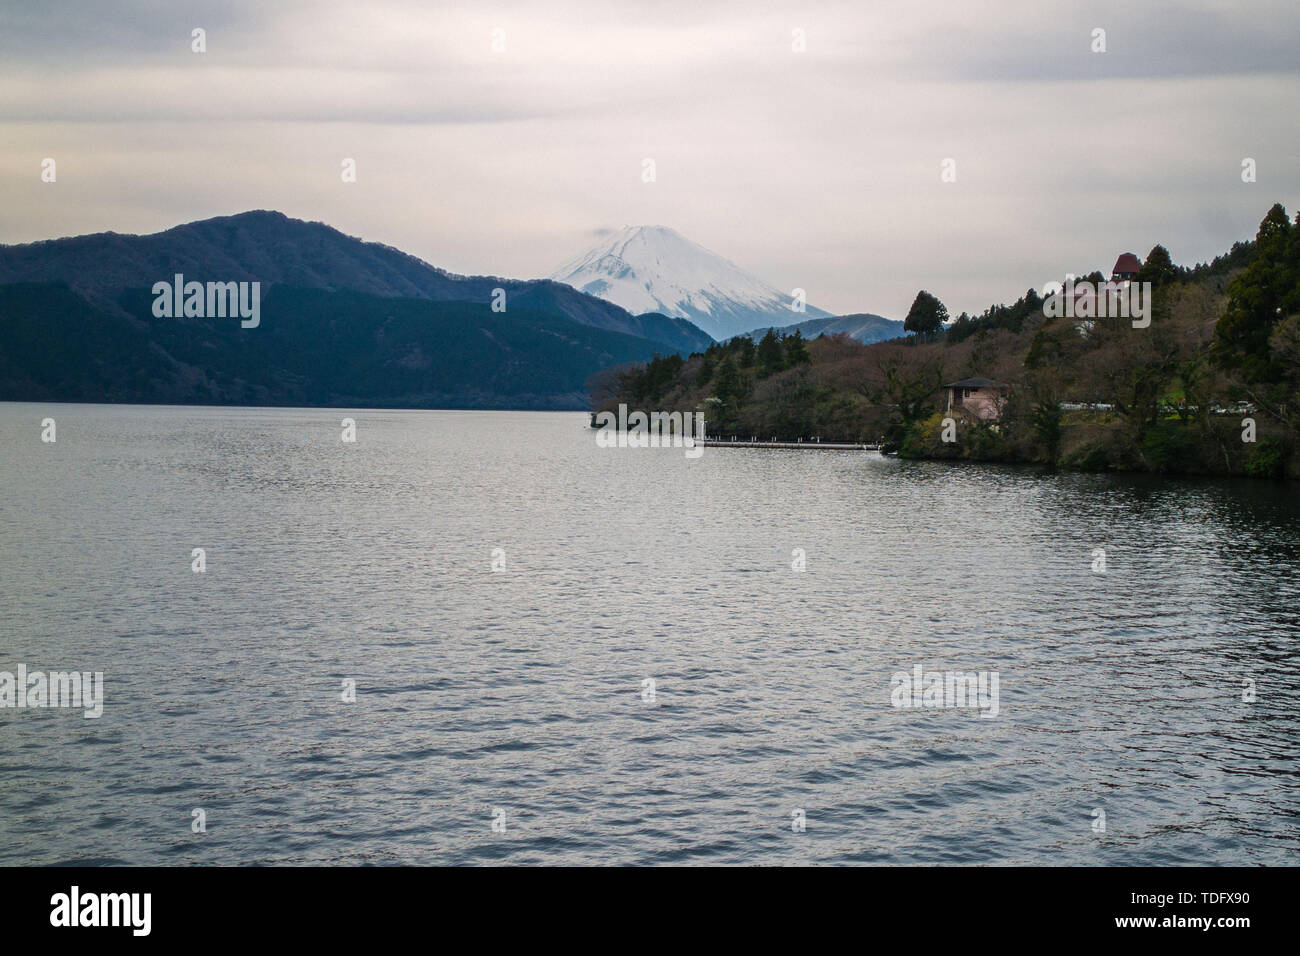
(1259, 297)
(796, 350)
(726, 383)
(771, 357)
(1159, 268)
(926, 316)
(747, 352)
(705, 374)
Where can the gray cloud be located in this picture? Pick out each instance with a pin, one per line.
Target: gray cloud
(817, 169)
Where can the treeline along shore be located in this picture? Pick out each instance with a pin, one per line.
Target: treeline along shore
(1208, 383)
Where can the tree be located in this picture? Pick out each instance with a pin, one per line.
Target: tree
(660, 374)
(771, 357)
(606, 385)
(747, 351)
(796, 350)
(726, 383)
(926, 316)
(1137, 368)
(983, 354)
(705, 373)
(1159, 268)
(1259, 297)
(961, 328)
(1047, 367)
(906, 389)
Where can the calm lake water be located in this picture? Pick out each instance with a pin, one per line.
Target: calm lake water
(519, 695)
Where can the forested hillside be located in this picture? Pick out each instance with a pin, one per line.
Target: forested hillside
(1218, 366)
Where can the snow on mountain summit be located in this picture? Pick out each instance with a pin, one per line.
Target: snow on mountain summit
(656, 269)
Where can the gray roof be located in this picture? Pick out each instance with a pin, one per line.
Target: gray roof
(974, 383)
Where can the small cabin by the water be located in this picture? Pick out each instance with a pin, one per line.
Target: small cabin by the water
(981, 397)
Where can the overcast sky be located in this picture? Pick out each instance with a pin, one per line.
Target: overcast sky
(818, 169)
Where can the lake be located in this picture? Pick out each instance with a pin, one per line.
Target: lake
(567, 654)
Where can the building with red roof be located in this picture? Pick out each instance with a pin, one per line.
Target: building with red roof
(1126, 268)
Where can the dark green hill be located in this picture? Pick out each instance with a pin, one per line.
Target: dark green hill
(313, 347)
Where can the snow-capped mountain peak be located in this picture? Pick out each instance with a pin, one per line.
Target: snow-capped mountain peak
(656, 269)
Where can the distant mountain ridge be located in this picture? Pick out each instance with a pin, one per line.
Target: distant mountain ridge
(273, 248)
(342, 322)
(649, 269)
(864, 327)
